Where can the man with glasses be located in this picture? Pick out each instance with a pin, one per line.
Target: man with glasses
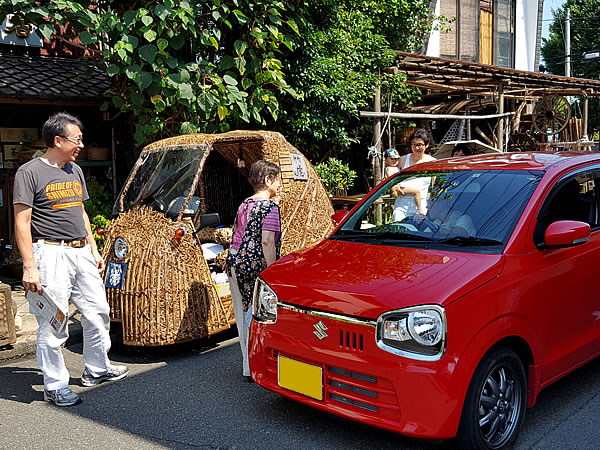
(60, 259)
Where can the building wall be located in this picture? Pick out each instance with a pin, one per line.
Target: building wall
(525, 29)
(433, 47)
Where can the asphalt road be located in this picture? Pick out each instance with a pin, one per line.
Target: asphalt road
(193, 396)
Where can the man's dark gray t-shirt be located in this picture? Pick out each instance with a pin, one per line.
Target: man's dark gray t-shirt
(56, 196)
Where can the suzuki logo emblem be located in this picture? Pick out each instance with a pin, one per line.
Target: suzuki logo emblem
(320, 330)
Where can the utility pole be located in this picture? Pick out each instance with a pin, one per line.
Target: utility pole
(568, 43)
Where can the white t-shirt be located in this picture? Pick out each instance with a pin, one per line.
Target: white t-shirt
(405, 205)
(391, 170)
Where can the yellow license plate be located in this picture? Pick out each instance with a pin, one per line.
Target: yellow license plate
(300, 377)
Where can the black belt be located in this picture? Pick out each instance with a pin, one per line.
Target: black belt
(77, 243)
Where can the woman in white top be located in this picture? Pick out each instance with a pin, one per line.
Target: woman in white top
(411, 195)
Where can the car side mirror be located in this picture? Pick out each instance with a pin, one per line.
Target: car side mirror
(210, 220)
(338, 216)
(566, 233)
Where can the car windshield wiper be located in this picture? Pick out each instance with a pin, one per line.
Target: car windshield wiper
(383, 235)
(469, 241)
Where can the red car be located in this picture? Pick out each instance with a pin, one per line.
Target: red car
(446, 322)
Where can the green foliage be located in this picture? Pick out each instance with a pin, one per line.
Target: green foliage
(180, 66)
(305, 68)
(97, 222)
(584, 38)
(336, 64)
(99, 201)
(336, 175)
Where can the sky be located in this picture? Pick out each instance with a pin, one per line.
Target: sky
(549, 5)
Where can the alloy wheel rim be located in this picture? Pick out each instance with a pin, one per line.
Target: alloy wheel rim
(500, 403)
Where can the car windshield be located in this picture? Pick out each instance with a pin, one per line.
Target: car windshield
(161, 179)
(473, 210)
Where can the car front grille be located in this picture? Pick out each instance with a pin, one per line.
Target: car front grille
(351, 340)
(351, 389)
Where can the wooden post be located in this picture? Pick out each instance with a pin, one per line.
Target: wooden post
(377, 171)
(376, 136)
(500, 129)
(585, 117)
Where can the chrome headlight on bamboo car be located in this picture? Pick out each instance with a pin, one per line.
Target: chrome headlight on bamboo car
(120, 247)
(418, 332)
(265, 303)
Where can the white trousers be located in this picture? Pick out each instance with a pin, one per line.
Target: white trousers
(243, 329)
(70, 274)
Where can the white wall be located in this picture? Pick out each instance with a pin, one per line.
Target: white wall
(525, 34)
(433, 46)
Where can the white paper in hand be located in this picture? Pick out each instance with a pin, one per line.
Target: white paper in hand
(45, 307)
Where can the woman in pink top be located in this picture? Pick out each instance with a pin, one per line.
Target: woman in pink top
(254, 246)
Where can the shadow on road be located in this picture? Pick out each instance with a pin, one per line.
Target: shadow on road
(197, 397)
(17, 384)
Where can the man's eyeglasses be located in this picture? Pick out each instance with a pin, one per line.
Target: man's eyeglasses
(418, 145)
(75, 140)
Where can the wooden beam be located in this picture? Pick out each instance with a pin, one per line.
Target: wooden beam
(59, 102)
(393, 115)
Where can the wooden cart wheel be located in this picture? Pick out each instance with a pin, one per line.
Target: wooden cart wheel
(551, 114)
(522, 142)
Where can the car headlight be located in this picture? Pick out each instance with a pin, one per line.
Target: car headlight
(265, 303)
(120, 248)
(418, 332)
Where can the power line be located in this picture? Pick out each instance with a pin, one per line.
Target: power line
(572, 55)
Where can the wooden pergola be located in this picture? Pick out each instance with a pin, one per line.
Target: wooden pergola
(460, 78)
(453, 89)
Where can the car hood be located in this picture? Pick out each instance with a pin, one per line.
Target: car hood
(366, 280)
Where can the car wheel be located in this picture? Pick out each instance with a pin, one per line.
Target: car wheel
(495, 402)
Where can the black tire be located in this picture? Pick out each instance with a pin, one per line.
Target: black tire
(495, 402)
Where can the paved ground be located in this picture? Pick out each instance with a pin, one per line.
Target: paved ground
(192, 396)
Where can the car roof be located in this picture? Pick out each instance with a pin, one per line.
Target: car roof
(510, 161)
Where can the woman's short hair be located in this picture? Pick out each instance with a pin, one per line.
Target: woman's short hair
(261, 169)
(464, 147)
(56, 125)
(421, 133)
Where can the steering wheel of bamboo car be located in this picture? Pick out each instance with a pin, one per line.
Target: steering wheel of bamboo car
(551, 114)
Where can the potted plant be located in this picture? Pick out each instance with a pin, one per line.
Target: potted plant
(336, 175)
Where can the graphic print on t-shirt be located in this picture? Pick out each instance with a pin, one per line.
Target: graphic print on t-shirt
(65, 195)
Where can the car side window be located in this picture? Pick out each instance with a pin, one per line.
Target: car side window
(574, 198)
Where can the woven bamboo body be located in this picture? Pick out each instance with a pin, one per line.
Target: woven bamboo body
(168, 295)
(7, 316)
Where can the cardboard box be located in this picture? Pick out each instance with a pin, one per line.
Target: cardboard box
(18, 134)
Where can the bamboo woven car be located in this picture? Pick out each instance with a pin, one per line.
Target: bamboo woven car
(162, 289)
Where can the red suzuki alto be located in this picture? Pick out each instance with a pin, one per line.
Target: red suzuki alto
(444, 322)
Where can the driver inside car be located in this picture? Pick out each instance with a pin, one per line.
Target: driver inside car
(450, 221)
